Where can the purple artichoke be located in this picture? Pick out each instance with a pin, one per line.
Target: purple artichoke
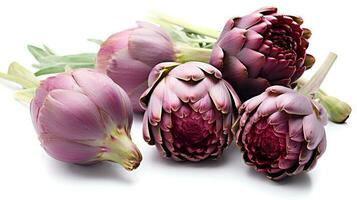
(83, 117)
(262, 49)
(190, 110)
(281, 132)
(128, 56)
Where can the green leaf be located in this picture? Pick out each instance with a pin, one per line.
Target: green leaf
(50, 70)
(37, 52)
(75, 58)
(48, 50)
(61, 67)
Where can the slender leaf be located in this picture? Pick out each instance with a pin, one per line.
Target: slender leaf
(60, 67)
(48, 50)
(37, 52)
(75, 58)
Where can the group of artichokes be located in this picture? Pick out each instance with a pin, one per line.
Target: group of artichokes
(199, 91)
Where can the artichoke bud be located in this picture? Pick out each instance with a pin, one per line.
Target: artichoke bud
(251, 65)
(127, 57)
(190, 110)
(281, 132)
(83, 117)
(133, 53)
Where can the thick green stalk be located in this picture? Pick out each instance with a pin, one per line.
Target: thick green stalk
(20, 72)
(25, 95)
(187, 53)
(20, 75)
(313, 85)
(338, 110)
(122, 150)
(190, 27)
(24, 83)
(179, 35)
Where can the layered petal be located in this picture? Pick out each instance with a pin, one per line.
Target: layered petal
(270, 49)
(61, 81)
(116, 103)
(190, 111)
(69, 151)
(83, 117)
(71, 115)
(281, 133)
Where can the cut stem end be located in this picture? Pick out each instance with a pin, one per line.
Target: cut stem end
(120, 149)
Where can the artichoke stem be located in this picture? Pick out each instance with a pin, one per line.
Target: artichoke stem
(338, 110)
(313, 85)
(24, 83)
(189, 27)
(187, 53)
(120, 149)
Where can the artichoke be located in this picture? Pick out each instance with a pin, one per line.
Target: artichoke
(262, 49)
(190, 110)
(128, 56)
(83, 117)
(281, 132)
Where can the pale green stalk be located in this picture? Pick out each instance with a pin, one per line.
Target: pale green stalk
(189, 27)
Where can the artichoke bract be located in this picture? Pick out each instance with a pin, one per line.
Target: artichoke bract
(190, 110)
(281, 132)
(128, 56)
(262, 49)
(83, 117)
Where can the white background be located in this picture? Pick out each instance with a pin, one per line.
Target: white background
(26, 172)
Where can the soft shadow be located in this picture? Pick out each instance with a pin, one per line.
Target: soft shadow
(209, 163)
(298, 182)
(103, 171)
(302, 181)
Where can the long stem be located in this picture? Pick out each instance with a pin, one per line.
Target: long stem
(25, 95)
(338, 110)
(190, 27)
(24, 83)
(313, 85)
